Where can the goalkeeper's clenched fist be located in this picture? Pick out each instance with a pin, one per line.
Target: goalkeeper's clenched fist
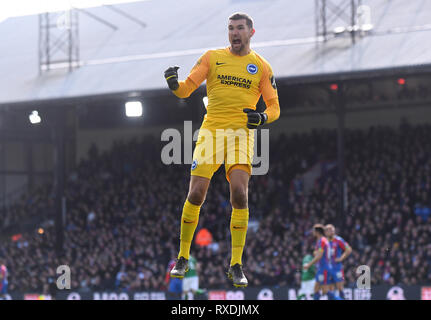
(171, 76)
(254, 118)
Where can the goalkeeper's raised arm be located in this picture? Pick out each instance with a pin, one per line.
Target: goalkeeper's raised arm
(183, 89)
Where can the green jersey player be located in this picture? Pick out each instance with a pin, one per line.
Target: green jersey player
(307, 280)
(191, 279)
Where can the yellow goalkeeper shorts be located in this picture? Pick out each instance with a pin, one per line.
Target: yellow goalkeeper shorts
(234, 148)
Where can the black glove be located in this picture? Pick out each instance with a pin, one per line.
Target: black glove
(171, 76)
(255, 119)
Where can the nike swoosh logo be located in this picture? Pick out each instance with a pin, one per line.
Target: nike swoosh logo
(238, 227)
(219, 63)
(187, 221)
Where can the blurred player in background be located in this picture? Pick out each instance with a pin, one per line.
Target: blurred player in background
(3, 279)
(307, 279)
(191, 279)
(340, 250)
(175, 285)
(324, 267)
(236, 78)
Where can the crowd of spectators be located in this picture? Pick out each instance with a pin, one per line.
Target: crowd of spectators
(30, 208)
(124, 206)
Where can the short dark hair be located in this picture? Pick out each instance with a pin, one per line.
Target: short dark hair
(319, 228)
(241, 15)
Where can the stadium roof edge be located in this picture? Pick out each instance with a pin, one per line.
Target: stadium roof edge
(116, 63)
(88, 98)
(285, 81)
(358, 74)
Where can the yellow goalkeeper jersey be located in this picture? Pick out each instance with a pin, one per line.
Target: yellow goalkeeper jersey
(234, 83)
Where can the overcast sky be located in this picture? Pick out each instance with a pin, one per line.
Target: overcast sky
(13, 8)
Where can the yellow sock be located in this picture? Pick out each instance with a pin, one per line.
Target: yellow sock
(238, 231)
(189, 222)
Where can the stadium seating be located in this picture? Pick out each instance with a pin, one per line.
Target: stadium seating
(122, 225)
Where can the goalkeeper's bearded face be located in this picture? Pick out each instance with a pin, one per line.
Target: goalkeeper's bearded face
(239, 35)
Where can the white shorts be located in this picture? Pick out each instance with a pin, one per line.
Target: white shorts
(190, 283)
(307, 288)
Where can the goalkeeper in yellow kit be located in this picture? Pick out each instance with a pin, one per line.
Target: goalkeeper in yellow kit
(236, 78)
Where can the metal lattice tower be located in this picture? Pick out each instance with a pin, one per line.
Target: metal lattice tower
(336, 17)
(58, 40)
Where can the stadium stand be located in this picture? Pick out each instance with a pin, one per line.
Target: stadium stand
(124, 207)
